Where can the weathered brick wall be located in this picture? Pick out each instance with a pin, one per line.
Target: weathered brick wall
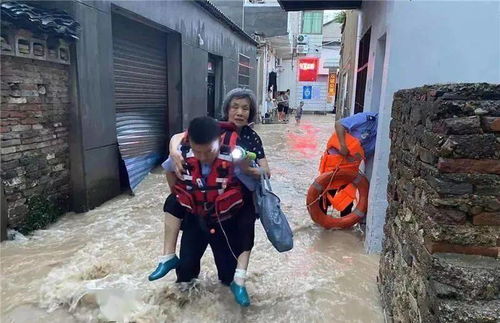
(442, 236)
(34, 133)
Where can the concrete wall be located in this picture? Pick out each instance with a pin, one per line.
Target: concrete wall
(347, 65)
(233, 9)
(34, 134)
(269, 21)
(94, 152)
(332, 32)
(425, 43)
(330, 58)
(315, 45)
(294, 23)
(287, 79)
(268, 66)
(439, 261)
(316, 103)
(190, 20)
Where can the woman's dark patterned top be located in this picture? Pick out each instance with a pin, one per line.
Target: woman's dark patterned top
(251, 141)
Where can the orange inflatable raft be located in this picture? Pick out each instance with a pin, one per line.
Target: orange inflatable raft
(339, 184)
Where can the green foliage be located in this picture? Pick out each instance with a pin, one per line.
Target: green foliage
(340, 17)
(41, 213)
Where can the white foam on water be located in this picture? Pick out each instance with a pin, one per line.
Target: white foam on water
(93, 267)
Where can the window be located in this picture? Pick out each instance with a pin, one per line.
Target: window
(362, 71)
(312, 22)
(244, 71)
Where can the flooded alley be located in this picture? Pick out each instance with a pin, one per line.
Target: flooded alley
(93, 267)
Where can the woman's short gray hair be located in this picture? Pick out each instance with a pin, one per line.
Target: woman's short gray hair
(240, 93)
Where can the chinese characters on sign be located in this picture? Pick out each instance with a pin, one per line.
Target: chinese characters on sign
(308, 69)
(332, 79)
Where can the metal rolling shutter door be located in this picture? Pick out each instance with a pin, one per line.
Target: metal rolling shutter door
(140, 74)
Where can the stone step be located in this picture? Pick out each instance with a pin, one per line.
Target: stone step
(465, 277)
(457, 312)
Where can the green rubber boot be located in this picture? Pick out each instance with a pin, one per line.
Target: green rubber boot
(240, 294)
(163, 268)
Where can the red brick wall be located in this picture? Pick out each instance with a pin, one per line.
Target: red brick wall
(34, 133)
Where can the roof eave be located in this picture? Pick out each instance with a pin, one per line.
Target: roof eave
(214, 11)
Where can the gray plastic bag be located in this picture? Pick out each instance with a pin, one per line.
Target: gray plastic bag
(273, 219)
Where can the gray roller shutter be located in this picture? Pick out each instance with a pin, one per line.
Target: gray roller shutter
(140, 74)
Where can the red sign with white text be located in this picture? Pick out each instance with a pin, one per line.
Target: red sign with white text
(308, 69)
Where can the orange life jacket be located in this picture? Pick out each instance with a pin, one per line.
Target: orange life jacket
(332, 158)
(217, 195)
(339, 184)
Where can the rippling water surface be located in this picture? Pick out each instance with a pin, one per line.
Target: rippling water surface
(93, 267)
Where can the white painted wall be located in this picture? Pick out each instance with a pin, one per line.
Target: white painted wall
(287, 79)
(315, 104)
(294, 21)
(330, 58)
(332, 32)
(315, 44)
(427, 42)
(348, 60)
(268, 65)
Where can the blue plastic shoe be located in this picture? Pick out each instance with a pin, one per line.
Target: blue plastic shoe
(163, 268)
(240, 294)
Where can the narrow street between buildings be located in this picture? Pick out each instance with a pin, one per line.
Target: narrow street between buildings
(95, 265)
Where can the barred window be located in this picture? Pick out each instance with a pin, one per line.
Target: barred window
(244, 71)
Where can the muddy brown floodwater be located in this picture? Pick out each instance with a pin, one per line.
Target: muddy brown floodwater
(93, 267)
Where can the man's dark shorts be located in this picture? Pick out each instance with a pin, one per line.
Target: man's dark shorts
(227, 244)
(173, 207)
(245, 219)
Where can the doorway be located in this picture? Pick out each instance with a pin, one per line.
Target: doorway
(211, 88)
(362, 72)
(273, 82)
(214, 88)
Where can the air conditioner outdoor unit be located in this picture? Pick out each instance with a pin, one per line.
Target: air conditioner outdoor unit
(302, 49)
(302, 39)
